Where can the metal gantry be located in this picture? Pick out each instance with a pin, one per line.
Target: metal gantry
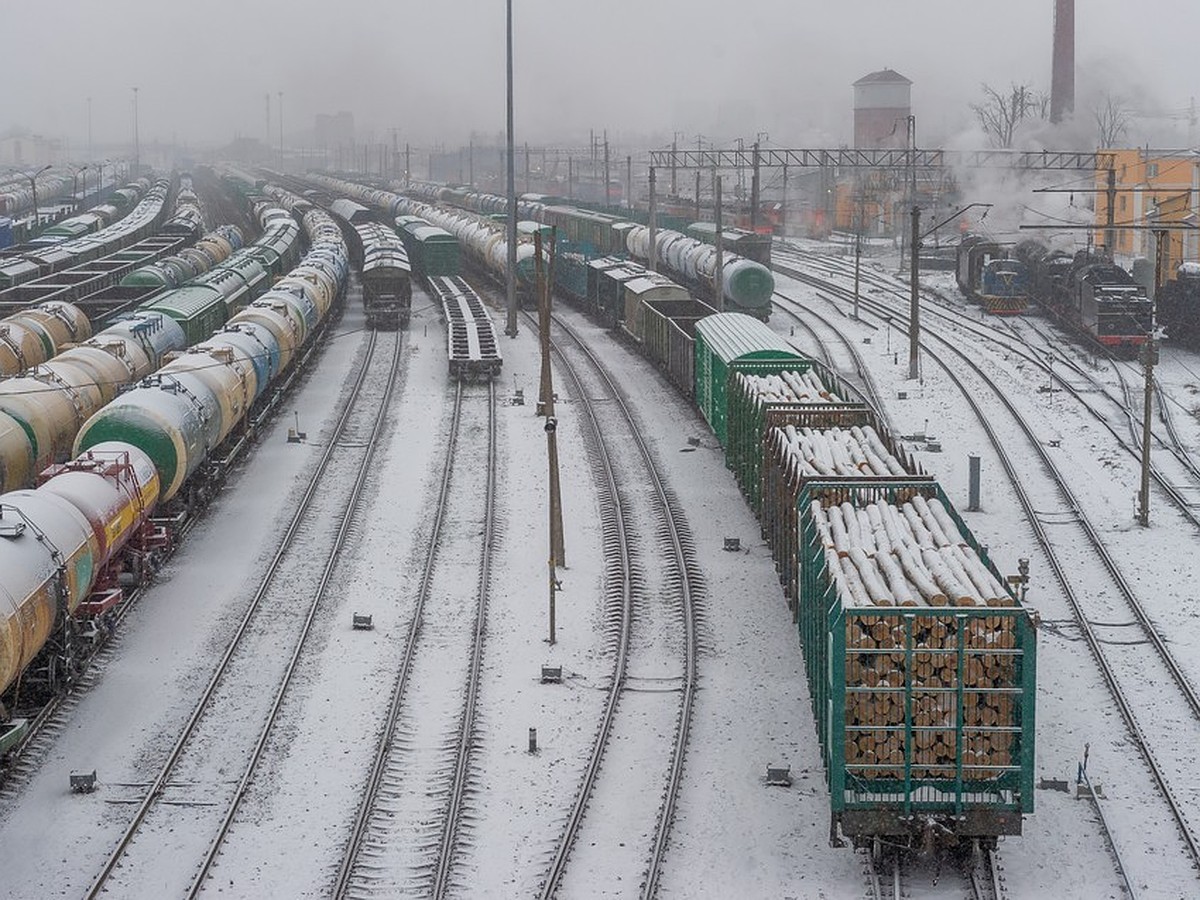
(860, 158)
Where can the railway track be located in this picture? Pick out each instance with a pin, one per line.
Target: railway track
(421, 770)
(900, 874)
(1145, 669)
(49, 720)
(1131, 413)
(856, 373)
(644, 629)
(227, 729)
(1127, 409)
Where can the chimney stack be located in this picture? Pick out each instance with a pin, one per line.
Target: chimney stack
(1062, 79)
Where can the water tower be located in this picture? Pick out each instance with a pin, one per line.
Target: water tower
(882, 104)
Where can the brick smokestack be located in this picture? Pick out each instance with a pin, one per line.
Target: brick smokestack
(1062, 79)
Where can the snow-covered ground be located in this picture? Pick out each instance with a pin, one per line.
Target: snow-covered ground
(733, 835)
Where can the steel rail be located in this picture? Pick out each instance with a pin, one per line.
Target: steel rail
(370, 795)
(353, 505)
(466, 744)
(959, 319)
(1059, 570)
(159, 783)
(869, 391)
(688, 600)
(610, 497)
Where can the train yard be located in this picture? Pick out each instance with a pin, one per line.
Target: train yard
(359, 700)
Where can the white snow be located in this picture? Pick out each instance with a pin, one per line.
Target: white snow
(733, 835)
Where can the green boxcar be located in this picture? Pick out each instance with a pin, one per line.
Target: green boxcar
(958, 661)
(433, 251)
(723, 341)
(199, 309)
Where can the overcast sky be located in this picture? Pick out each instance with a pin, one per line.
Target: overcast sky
(435, 69)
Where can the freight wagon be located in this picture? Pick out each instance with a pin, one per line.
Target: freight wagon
(924, 702)
(25, 262)
(386, 278)
(924, 696)
(1179, 306)
(752, 246)
(432, 251)
(67, 542)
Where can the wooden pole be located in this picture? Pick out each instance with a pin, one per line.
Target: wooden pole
(914, 322)
(545, 275)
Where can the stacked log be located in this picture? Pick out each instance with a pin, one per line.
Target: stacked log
(796, 454)
(912, 555)
(836, 452)
(788, 387)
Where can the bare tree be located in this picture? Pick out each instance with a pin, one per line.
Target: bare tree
(1112, 120)
(1000, 113)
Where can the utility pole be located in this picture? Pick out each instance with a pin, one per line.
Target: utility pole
(858, 247)
(33, 190)
(527, 167)
(511, 274)
(674, 150)
(607, 194)
(471, 160)
(783, 204)
(653, 251)
(697, 195)
(281, 131)
(910, 141)
(268, 142)
(570, 178)
(741, 177)
(1149, 360)
(914, 316)
(90, 155)
(754, 192)
(629, 181)
(137, 155)
(1110, 233)
(545, 407)
(719, 240)
(407, 164)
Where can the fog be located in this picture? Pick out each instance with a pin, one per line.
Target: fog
(643, 70)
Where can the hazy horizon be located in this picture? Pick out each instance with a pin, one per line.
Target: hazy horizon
(435, 72)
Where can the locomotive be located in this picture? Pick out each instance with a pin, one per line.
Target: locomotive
(1179, 306)
(1090, 294)
(988, 273)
